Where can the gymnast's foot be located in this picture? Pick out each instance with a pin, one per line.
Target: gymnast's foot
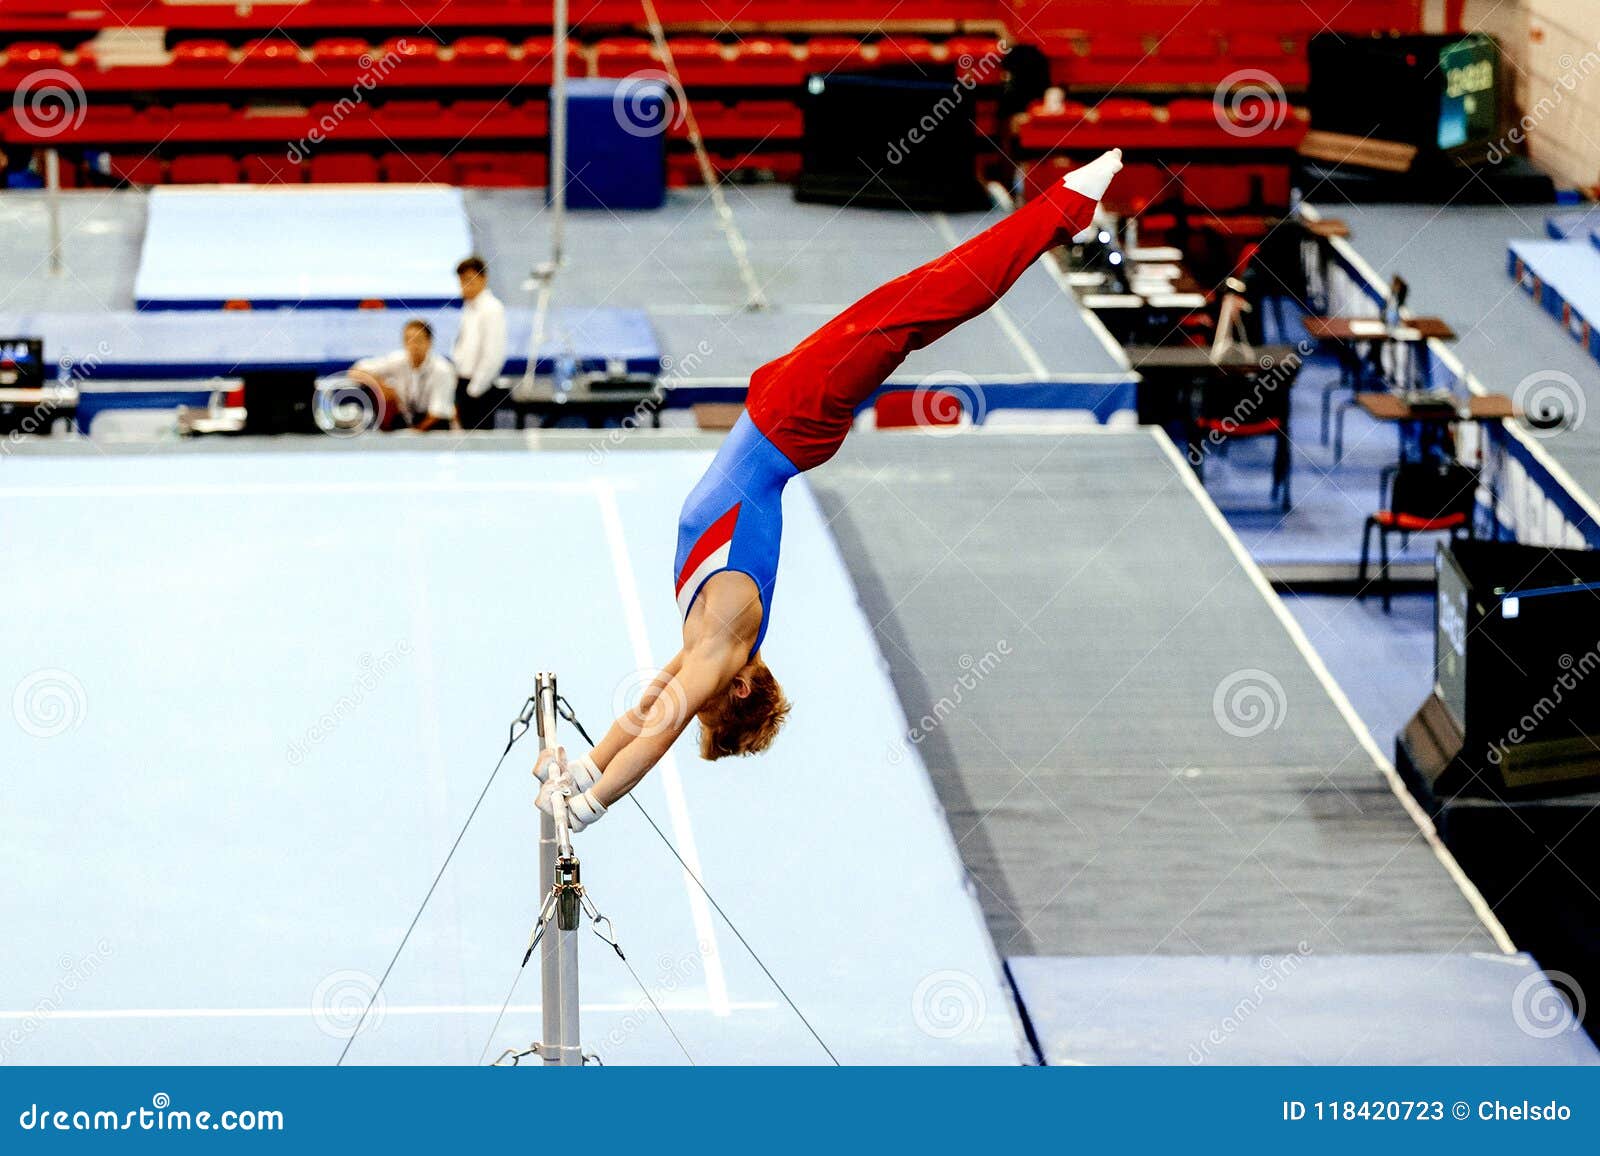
(1092, 179)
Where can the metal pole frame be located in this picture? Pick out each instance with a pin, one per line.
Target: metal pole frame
(558, 876)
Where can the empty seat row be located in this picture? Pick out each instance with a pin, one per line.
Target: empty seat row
(1202, 187)
(1129, 61)
(762, 61)
(1246, 117)
(461, 167)
(108, 123)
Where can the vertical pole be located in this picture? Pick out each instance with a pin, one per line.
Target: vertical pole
(549, 967)
(52, 184)
(558, 137)
(568, 919)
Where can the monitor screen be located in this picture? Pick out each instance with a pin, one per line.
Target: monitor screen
(1468, 110)
(21, 363)
(1450, 639)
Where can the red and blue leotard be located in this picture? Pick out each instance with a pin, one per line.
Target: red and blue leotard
(801, 406)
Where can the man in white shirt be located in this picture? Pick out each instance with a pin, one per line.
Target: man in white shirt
(417, 385)
(480, 349)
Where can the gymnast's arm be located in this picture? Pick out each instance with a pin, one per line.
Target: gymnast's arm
(704, 673)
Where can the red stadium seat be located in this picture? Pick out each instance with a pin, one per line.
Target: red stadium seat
(978, 59)
(827, 54)
(537, 59)
(908, 50)
(272, 168)
(502, 169)
(204, 170)
(137, 169)
(418, 168)
(201, 54)
(624, 57)
(343, 168)
(34, 54)
(412, 48)
(701, 60)
(768, 60)
(270, 53)
(343, 50)
(481, 50)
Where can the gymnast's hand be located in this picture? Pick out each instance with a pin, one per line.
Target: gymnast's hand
(550, 756)
(583, 808)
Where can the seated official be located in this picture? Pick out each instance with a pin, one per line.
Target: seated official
(415, 386)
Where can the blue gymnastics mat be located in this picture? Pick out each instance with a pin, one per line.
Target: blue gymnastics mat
(1575, 225)
(1564, 278)
(270, 649)
(175, 346)
(314, 247)
(1301, 1008)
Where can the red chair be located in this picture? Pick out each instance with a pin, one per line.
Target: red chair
(412, 48)
(137, 169)
(201, 54)
(270, 53)
(343, 169)
(1110, 60)
(977, 59)
(273, 169)
(538, 59)
(418, 168)
(912, 50)
(768, 60)
(204, 170)
(828, 54)
(1426, 498)
(476, 51)
(701, 60)
(624, 57)
(342, 50)
(34, 54)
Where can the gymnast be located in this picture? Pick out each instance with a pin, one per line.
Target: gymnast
(797, 412)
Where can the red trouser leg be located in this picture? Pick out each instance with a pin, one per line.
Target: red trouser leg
(806, 400)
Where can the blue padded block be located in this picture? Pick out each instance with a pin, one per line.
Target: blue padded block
(167, 346)
(1570, 273)
(1298, 1009)
(617, 143)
